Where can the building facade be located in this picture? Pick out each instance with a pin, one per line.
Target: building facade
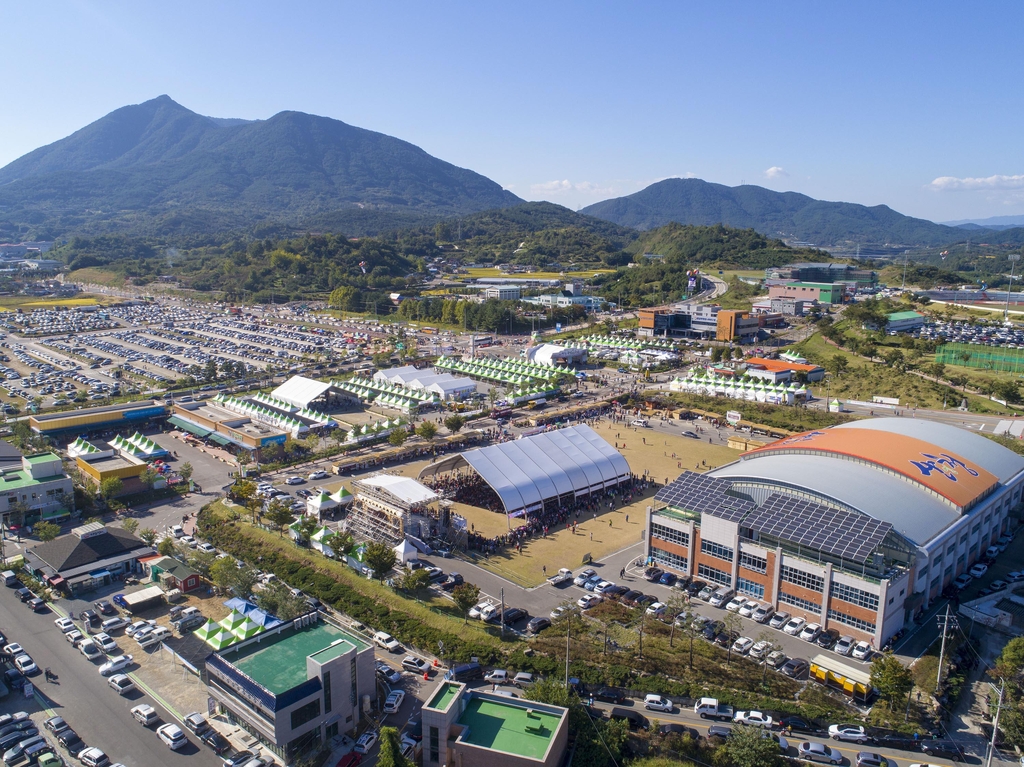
(858, 527)
(36, 489)
(503, 292)
(824, 293)
(294, 686)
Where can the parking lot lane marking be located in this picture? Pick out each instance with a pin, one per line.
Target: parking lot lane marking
(149, 691)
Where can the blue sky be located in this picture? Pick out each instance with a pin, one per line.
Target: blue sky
(913, 105)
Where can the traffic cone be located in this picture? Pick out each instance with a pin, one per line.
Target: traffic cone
(426, 676)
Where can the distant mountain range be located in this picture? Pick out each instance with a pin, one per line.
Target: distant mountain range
(789, 215)
(158, 164)
(996, 223)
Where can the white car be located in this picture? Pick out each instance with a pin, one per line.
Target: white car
(206, 547)
(498, 676)
(366, 742)
(14, 649)
(189, 541)
(93, 757)
(25, 664)
(89, 649)
(978, 570)
(150, 638)
(813, 751)
(779, 620)
(794, 626)
(763, 613)
(658, 608)
(294, 481)
(145, 714)
(844, 646)
(754, 718)
(133, 628)
(74, 637)
(320, 474)
(603, 586)
(810, 632)
(862, 651)
(735, 604)
(742, 645)
(654, 702)
(105, 642)
(394, 702)
(172, 735)
(558, 612)
(474, 612)
(853, 733)
(747, 610)
(65, 625)
(588, 600)
(121, 683)
(115, 664)
(760, 649)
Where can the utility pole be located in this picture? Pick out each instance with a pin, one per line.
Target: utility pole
(1013, 258)
(503, 614)
(944, 623)
(906, 257)
(995, 725)
(568, 628)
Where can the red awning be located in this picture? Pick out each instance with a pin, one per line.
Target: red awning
(55, 580)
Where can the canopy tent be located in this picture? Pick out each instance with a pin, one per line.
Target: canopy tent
(300, 391)
(406, 552)
(246, 630)
(221, 639)
(208, 629)
(527, 472)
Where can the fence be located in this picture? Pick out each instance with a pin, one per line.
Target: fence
(982, 357)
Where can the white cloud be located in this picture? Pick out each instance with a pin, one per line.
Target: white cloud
(551, 187)
(775, 172)
(952, 183)
(565, 186)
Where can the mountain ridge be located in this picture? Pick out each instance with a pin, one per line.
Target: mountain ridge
(790, 215)
(146, 160)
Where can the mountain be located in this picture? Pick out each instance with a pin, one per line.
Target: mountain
(788, 215)
(993, 222)
(159, 164)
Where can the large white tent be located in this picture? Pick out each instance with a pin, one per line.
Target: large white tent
(300, 391)
(528, 472)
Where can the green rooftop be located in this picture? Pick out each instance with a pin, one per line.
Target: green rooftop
(513, 729)
(279, 662)
(897, 316)
(445, 694)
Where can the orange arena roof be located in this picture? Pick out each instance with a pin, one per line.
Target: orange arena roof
(950, 475)
(775, 365)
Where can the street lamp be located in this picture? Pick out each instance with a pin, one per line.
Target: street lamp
(1013, 258)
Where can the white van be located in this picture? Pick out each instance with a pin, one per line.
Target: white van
(386, 641)
(641, 422)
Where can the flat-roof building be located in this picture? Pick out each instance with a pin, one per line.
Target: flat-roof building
(476, 728)
(126, 416)
(858, 527)
(294, 686)
(208, 420)
(35, 487)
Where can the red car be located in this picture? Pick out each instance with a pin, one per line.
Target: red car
(350, 760)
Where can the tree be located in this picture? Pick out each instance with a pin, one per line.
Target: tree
(733, 626)
(454, 423)
(891, 678)
(751, 747)
(466, 595)
(148, 477)
(46, 531)
(166, 548)
(277, 600)
(130, 525)
(307, 526)
(245, 580)
(838, 363)
(380, 558)
(390, 753)
(111, 487)
(416, 580)
(675, 606)
(427, 430)
(201, 561)
(186, 470)
(148, 535)
(398, 437)
(280, 514)
(222, 573)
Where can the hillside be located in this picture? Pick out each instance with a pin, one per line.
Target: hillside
(141, 165)
(777, 214)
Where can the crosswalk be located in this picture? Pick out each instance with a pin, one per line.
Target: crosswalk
(1013, 428)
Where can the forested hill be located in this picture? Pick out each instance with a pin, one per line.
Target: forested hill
(155, 166)
(696, 246)
(776, 214)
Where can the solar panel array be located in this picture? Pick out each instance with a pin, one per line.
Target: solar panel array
(702, 494)
(847, 534)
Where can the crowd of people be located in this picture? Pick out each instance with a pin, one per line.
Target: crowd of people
(469, 488)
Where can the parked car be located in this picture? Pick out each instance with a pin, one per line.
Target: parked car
(810, 632)
(795, 668)
(583, 577)
(978, 570)
(654, 702)
(65, 624)
(753, 718)
(121, 683)
(366, 742)
(172, 736)
(522, 679)
(609, 695)
(799, 724)
(794, 626)
(587, 601)
(537, 624)
(742, 645)
(779, 620)
(196, 722)
(760, 650)
(869, 759)
(145, 714)
(763, 613)
(115, 664)
(819, 752)
(862, 651)
(210, 737)
(845, 645)
(734, 604)
(854, 733)
(105, 642)
(386, 641)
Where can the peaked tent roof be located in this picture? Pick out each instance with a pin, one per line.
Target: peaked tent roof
(526, 472)
(300, 391)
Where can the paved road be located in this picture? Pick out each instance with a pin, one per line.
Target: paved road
(82, 697)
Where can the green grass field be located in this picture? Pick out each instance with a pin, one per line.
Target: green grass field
(10, 303)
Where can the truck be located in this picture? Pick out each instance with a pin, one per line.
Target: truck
(564, 575)
(710, 708)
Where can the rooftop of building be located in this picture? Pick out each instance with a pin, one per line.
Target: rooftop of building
(69, 552)
(781, 364)
(16, 479)
(512, 726)
(85, 411)
(111, 462)
(897, 316)
(443, 696)
(278, 662)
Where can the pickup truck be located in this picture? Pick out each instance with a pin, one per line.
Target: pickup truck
(562, 576)
(710, 708)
